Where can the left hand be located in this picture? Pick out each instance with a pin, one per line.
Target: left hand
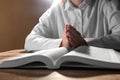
(74, 37)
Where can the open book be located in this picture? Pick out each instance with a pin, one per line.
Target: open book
(55, 58)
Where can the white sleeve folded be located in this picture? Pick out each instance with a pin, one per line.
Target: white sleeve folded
(111, 41)
(34, 43)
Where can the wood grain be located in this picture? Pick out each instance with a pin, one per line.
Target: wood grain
(39, 74)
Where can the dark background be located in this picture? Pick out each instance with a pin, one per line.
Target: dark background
(17, 19)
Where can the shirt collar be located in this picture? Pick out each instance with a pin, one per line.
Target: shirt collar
(68, 4)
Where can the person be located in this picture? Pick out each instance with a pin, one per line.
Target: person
(74, 23)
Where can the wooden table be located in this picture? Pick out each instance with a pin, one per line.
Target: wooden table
(45, 74)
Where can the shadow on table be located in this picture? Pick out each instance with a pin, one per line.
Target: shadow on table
(64, 72)
(26, 72)
(81, 73)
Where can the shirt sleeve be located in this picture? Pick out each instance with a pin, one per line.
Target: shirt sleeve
(41, 37)
(112, 13)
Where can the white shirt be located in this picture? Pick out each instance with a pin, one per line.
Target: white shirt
(98, 21)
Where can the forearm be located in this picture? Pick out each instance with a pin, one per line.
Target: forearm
(110, 41)
(34, 43)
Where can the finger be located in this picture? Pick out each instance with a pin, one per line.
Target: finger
(75, 34)
(69, 39)
(72, 35)
(67, 28)
(73, 29)
(70, 27)
(70, 45)
(76, 40)
(73, 41)
(73, 44)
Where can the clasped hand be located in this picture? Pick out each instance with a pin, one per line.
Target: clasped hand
(72, 38)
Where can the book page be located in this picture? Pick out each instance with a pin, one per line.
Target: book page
(54, 54)
(47, 57)
(93, 56)
(17, 61)
(95, 53)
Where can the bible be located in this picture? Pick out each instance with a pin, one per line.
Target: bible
(84, 56)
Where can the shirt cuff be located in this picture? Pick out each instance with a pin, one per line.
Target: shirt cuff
(94, 42)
